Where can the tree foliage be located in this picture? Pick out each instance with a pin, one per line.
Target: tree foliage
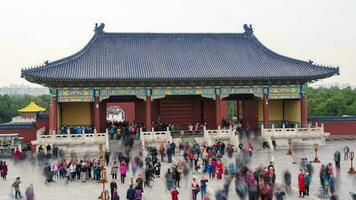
(10, 104)
(331, 101)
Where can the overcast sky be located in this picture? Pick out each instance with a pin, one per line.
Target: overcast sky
(38, 30)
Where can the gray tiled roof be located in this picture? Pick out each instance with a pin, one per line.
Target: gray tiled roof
(17, 125)
(175, 57)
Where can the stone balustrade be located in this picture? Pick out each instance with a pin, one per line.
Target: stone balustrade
(211, 136)
(84, 139)
(295, 133)
(307, 136)
(156, 136)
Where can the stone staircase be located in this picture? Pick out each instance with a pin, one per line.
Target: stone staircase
(115, 146)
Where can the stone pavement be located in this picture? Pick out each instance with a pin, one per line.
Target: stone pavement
(91, 190)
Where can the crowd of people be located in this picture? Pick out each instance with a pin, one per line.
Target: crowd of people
(76, 129)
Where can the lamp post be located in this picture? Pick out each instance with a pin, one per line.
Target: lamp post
(290, 146)
(351, 170)
(316, 159)
(103, 180)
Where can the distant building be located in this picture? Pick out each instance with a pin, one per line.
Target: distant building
(19, 90)
(25, 125)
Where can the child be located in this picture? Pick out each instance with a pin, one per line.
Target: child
(174, 193)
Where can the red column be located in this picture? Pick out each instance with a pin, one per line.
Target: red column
(97, 114)
(265, 111)
(238, 110)
(148, 113)
(217, 110)
(53, 116)
(304, 111)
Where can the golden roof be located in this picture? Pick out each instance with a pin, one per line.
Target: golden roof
(32, 107)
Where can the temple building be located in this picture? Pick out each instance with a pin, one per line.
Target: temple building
(177, 78)
(30, 119)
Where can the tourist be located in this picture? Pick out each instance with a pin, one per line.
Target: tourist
(177, 175)
(4, 170)
(114, 170)
(219, 170)
(16, 185)
(134, 166)
(169, 153)
(195, 189)
(83, 171)
(157, 169)
(107, 157)
(173, 148)
(115, 195)
(123, 170)
(307, 183)
(138, 193)
(288, 181)
(211, 170)
(301, 184)
(113, 186)
(169, 180)
(130, 194)
(250, 149)
(174, 194)
(162, 152)
(279, 194)
(337, 158)
(346, 152)
(30, 195)
(203, 186)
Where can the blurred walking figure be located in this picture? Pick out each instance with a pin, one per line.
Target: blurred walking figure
(30, 195)
(195, 189)
(16, 185)
(123, 171)
(287, 181)
(346, 152)
(4, 170)
(174, 194)
(301, 184)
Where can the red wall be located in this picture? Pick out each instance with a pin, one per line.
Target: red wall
(250, 113)
(27, 134)
(340, 128)
(209, 113)
(128, 107)
(42, 123)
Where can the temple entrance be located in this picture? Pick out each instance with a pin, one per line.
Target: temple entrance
(115, 114)
(246, 109)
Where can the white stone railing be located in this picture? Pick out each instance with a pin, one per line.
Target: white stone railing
(211, 136)
(156, 136)
(315, 133)
(72, 139)
(297, 133)
(40, 132)
(20, 119)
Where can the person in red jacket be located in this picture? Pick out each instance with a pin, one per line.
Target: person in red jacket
(219, 169)
(301, 184)
(174, 193)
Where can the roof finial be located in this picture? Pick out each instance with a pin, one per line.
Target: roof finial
(248, 30)
(99, 29)
(46, 62)
(311, 62)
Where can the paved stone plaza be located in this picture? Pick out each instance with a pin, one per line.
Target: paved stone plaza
(90, 190)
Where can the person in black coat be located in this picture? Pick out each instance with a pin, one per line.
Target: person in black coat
(130, 194)
(113, 185)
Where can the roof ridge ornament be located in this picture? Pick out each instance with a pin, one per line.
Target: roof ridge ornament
(248, 30)
(99, 28)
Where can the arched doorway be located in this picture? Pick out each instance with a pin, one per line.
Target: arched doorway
(115, 114)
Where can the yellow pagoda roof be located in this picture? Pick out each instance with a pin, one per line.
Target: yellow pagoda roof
(32, 107)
